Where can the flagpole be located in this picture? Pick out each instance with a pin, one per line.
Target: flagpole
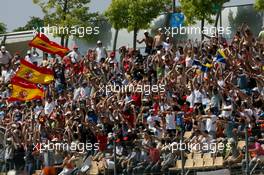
(174, 5)
(115, 173)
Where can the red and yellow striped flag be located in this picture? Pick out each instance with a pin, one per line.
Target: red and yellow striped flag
(34, 74)
(24, 91)
(43, 43)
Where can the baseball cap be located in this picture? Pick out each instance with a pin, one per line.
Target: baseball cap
(112, 54)
(2, 47)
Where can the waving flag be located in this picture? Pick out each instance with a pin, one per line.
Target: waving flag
(220, 57)
(24, 91)
(204, 68)
(34, 74)
(176, 19)
(43, 43)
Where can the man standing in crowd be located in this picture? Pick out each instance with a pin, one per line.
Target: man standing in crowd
(158, 39)
(5, 57)
(148, 41)
(101, 53)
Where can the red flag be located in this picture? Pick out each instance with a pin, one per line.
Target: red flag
(43, 43)
(24, 91)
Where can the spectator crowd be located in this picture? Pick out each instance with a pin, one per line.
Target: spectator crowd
(212, 89)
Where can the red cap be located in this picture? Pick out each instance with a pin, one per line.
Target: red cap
(17, 52)
(112, 54)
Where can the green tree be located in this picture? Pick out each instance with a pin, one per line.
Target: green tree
(259, 5)
(247, 15)
(2, 28)
(66, 14)
(117, 15)
(134, 14)
(105, 34)
(33, 23)
(201, 10)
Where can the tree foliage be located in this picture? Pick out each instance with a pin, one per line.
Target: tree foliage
(117, 13)
(247, 15)
(33, 23)
(134, 14)
(2, 28)
(142, 12)
(105, 31)
(66, 13)
(259, 5)
(197, 10)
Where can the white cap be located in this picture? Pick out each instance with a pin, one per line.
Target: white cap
(28, 52)
(99, 42)
(145, 31)
(3, 48)
(256, 89)
(9, 139)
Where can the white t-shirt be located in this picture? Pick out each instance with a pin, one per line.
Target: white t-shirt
(163, 106)
(29, 59)
(170, 121)
(197, 97)
(166, 45)
(211, 123)
(227, 110)
(79, 93)
(188, 62)
(100, 51)
(190, 100)
(49, 107)
(151, 121)
(7, 74)
(75, 57)
(221, 83)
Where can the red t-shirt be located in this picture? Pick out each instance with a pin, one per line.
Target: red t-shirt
(130, 119)
(137, 99)
(154, 154)
(102, 140)
(156, 108)
(67, 62)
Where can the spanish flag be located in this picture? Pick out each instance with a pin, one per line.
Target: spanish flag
(24, 91)
(34, 74)
(43, 43)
